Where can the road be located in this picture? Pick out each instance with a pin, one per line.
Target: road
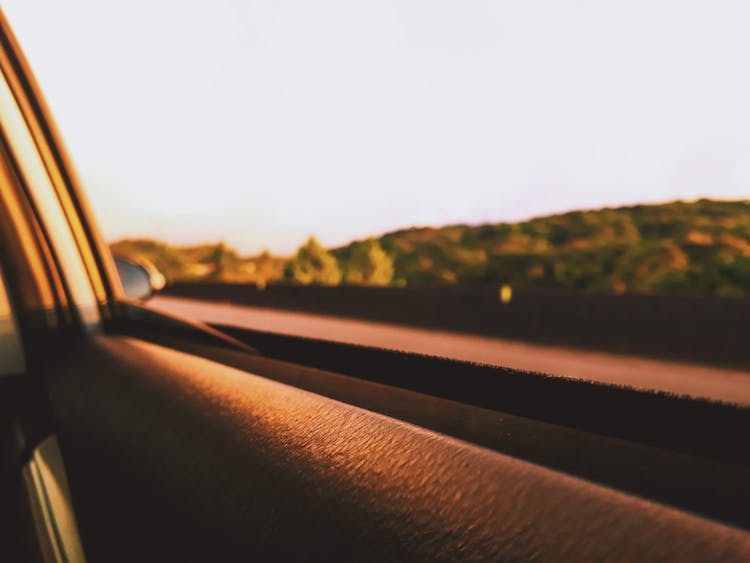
(718, 384)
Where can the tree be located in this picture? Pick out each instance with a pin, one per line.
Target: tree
(313, 264)
(369, 264)
(221, 258)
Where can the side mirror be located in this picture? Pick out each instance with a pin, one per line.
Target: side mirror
(140, 280)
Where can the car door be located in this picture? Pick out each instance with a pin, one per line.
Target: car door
(133, 435)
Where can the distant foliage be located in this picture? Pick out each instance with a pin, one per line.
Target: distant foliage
(679, 247)
(217, 262)
(368, 264)
(313, 264)
(221, 260)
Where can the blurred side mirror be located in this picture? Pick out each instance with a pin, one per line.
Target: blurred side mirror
(139, 280)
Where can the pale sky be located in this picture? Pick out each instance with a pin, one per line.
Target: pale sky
(263, 122)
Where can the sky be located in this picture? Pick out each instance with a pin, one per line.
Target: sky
(261, 123)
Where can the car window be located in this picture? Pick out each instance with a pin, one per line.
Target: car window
(548, 187)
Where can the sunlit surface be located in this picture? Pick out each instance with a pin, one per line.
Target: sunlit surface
(51, 505)
(47, 205)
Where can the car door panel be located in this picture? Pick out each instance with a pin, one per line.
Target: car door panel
(175, 455)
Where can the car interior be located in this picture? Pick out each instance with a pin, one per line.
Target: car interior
(129, 434)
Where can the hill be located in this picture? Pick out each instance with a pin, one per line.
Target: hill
(694, 247)
(701, 246)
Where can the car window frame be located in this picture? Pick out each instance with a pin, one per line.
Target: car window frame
(93, 253)
(50, 214)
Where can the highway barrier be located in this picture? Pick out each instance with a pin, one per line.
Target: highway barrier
(706, 329)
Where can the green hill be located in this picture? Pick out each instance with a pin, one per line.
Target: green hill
(701, 247)
(696, 247)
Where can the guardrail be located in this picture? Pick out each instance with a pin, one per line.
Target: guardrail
(706, 329)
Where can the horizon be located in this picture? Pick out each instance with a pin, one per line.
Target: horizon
(349, 121)
(419, 227)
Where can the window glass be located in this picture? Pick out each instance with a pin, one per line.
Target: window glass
(552, 186)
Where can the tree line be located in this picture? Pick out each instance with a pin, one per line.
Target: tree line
(678, 247)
